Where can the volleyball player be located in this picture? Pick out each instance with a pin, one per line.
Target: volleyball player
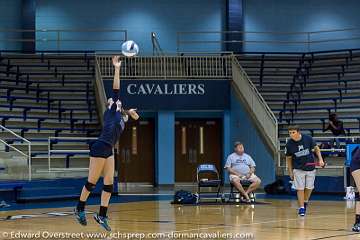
(301, 164)
(101, 153)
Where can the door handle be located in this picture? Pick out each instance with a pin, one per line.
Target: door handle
(194, 156)
(123, 156)
(128, 156)
(190, 155)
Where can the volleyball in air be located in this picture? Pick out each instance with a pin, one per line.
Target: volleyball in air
(129, 48)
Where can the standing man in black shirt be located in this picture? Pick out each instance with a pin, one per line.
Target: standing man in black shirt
(301, 164)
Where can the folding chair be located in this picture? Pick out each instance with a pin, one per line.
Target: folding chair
(236, 195)
(207, 176)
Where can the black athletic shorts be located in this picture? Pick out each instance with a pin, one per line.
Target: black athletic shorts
(100, 149)
(354, 165)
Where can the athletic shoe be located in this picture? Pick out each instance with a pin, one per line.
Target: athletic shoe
(356, 227)
(247, 200)
(305, 205)
(103, 221)
(244, 200)
(302, 212)
(252, 197)
(80, 216)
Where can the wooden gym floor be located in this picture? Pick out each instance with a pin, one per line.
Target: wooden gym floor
(278, 220)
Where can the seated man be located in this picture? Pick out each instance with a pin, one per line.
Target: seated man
(336, 126)
(242, 167)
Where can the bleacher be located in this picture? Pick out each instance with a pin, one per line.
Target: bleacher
(48, 95)
(304, 88)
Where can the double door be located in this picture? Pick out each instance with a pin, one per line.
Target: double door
(196, 142)
(135, 152)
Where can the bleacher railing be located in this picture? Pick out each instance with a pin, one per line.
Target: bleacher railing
(67, 39)
(66, 152)
(297, 41)
(167, 67)
(26, 155)
(110, 39)
(266, 118)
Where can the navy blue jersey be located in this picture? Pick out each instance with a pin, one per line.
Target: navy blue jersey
(113, 124)
(355, 159)
(301, 152)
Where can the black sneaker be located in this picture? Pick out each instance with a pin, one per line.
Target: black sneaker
(305, 205)
(80, 216)
(103, 221)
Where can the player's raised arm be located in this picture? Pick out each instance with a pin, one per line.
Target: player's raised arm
(117, 65)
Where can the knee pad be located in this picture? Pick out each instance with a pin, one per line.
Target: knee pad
(90, 186)
(108, 188)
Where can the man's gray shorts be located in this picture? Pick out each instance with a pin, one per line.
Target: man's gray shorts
(304, 179)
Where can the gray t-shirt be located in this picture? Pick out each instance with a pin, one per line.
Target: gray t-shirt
(240, 163)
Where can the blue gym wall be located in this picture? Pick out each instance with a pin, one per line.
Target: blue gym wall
(165, 18)
(140, 18)
(165, 152)
(10, 18)
(300, 16)
(242, 129)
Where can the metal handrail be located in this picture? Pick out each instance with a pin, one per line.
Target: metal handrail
(62, 30)
(352, 138)
(307, 37)
(28, 155)
(50, 151)
(168, 67)
(14, 148)
(270, 41)
(58, 38)
(254, 88)
(271, 32)
(169, 53)
(271, 132)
